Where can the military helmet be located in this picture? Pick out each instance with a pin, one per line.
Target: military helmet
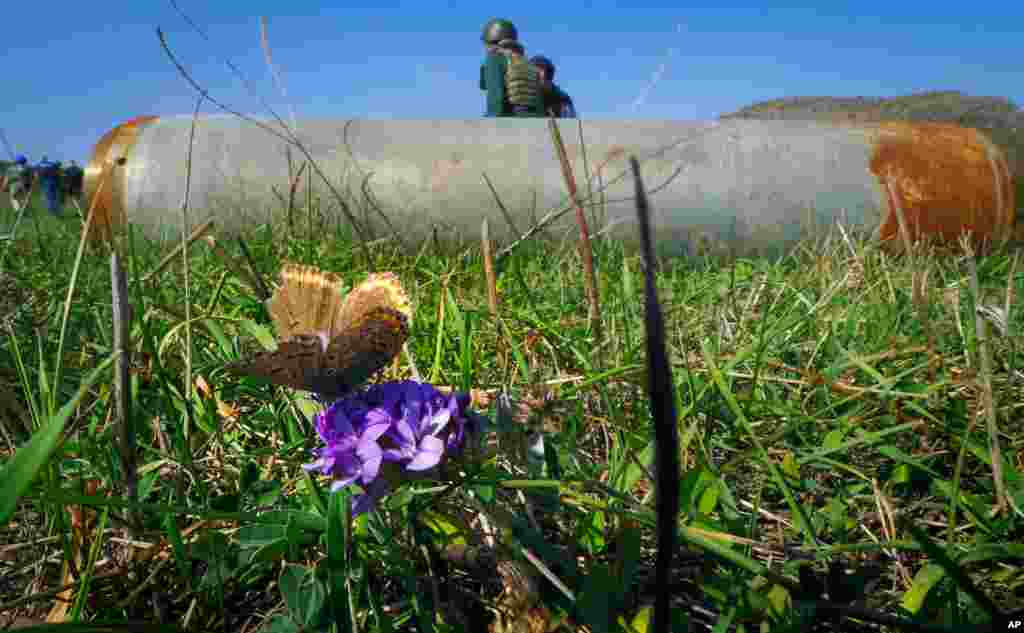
(498, 29)
(512, 45)
(543, 62)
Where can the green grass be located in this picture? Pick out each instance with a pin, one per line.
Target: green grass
(821, 364)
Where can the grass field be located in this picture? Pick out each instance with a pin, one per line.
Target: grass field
(852, 430)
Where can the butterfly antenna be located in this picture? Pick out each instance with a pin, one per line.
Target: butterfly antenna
(661, 390)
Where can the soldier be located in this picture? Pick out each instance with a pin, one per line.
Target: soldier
(49, 180)
(556, 102)
(512, 84)
(73, 179)
(18, 179)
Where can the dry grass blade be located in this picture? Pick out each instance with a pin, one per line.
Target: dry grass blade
(987, 402)
(586, 250)
(661, 390)
(189, 384)
(491, 278)
(901, 217)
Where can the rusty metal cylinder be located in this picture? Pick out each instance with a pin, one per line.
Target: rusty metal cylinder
(744, 186)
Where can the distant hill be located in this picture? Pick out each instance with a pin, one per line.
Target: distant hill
(999, 117)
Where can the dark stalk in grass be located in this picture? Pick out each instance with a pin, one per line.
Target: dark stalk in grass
(663, 410)
(292, 188)
(257, 278)
(122, 386)
(242, 273)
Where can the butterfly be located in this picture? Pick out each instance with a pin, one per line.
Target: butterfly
(328, 344)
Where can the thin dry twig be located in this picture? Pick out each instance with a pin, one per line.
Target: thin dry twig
(985, 379)
(901, 218)
(585, 247)
(491, 278)
(189, 384)
(275, 72)
(199, 231)
(601, 193)
(290, 138)
(501, 206)
(292, 189)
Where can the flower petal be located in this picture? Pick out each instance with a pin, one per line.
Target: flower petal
(366, 501)
(429, 454)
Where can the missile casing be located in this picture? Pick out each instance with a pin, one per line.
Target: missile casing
(747, 186)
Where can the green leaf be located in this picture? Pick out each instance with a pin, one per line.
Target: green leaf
(261, 333)
(709, 498)
(217, 332)
(258, 535)
(633, 472)
(305, 520)
(304, 595)
(642, 620)
(450, 530)
(19, 473)
(924, 581)
(778, 598)
(833, 439)
(280, 624)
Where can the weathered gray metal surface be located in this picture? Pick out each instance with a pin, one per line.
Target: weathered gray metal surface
(746, 185)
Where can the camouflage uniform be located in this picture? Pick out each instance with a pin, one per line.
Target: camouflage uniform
(556, 102)
(511, 83)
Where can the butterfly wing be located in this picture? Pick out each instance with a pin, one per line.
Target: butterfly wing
(379, 290)
(331, 345)
(361, 350)
(293, 364)
(308, 300)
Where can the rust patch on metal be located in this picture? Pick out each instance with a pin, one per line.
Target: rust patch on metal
(947, 180)
(106, 166)
(616, 152)
(444, 170)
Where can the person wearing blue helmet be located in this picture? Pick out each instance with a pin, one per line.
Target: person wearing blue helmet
(18, 179)
(49, 180)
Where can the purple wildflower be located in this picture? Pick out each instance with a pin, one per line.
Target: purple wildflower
(409, 424)
(350, 450)
(427, 424)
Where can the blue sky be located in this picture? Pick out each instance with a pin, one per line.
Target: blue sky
(73, 70)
